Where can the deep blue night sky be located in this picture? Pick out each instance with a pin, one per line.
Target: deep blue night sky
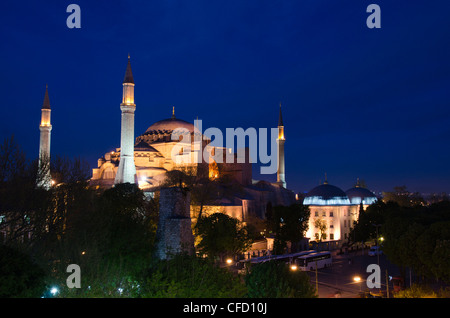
(357, 102)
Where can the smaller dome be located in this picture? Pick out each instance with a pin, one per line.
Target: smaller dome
(358, 195)
(326, 194)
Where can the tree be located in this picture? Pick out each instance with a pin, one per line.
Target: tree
(322, 226)
(288, 224)
(363, 229)
(221, 236)
(276, 280)
(19, 275)
(112, 242)
(190, 277)
(403, 197)
(433, 250)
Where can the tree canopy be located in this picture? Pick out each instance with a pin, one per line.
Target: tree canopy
(221, 236)
(287, 224)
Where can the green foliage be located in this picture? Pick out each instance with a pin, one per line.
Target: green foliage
(433, 250)
(111, 242)
(276, 280)
(19, 275)
(402, 197)
(288, 224)
(364, 229)
(416, 291)
(221, 235)
(415, 236)
(190, 277)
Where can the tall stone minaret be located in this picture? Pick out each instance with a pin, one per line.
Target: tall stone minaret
(44, 178)
(281, 178)
(126, 173)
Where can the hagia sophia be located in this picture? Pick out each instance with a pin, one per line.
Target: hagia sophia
(146, 159)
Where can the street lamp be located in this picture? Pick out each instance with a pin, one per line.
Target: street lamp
(54, 291)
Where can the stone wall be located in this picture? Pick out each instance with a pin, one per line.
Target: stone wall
(174, 233)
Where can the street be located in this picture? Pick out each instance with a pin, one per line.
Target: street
(339, 279)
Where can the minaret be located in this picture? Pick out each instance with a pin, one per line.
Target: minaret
(281, 178)
(44, 179)
(126, 173)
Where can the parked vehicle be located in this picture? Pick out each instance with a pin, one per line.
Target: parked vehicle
(313, 260)
(375, 250)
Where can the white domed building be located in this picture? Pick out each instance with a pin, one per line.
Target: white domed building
(333, 211)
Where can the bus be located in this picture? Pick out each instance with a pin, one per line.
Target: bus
(310, 261)
(282, 257)
(289, 258)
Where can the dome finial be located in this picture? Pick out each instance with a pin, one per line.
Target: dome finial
(326, 180)
(357, 183)
(173, 112)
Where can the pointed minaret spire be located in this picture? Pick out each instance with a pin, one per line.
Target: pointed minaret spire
(46, 103)
(128, 73)
(280, 118)
(281, 177)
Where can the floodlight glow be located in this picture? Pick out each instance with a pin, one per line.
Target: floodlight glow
(364, 201)
(318, 200)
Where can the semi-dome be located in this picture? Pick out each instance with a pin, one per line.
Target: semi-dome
(358, 195)
(326, 194)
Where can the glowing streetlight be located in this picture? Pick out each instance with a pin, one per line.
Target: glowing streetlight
(54, 291)
(229, 261)
(293, 267)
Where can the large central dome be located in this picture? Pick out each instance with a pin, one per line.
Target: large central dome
(162, 131)
(168, 126)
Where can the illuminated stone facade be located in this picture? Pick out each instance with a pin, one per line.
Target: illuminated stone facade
(45, 128)
(155, 152)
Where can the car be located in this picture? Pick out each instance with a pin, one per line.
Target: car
(375, 250)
